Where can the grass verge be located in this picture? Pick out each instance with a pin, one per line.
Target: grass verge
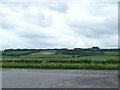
(62, 66)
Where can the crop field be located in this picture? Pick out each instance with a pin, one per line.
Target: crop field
(54, 59)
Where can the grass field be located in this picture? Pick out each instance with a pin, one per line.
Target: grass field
(49, 59)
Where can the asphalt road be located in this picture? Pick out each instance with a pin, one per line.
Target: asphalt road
(57, 78)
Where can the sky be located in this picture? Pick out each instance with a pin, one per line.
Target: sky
(75, 24)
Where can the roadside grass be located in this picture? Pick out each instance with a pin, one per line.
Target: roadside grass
(62, 66)
(119, 75)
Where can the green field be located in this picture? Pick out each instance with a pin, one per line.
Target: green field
(54, 59)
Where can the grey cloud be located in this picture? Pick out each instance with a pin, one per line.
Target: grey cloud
(7, 24)
(23, 9)
(39, 20)
(28, 27)
(87, 25)
(93, 29)
(32, 34)
(60, 7)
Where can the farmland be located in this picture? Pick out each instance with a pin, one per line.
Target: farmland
(61, 58)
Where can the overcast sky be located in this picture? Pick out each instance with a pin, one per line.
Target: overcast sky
(59, 25)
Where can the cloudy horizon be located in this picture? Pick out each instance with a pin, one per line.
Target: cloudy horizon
(59, 25)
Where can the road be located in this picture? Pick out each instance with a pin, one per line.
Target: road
(58, 78)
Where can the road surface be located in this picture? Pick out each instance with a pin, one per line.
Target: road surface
(58, 78)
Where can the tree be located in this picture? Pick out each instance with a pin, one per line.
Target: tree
(95, 48)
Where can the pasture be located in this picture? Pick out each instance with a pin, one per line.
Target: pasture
(53, 59)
